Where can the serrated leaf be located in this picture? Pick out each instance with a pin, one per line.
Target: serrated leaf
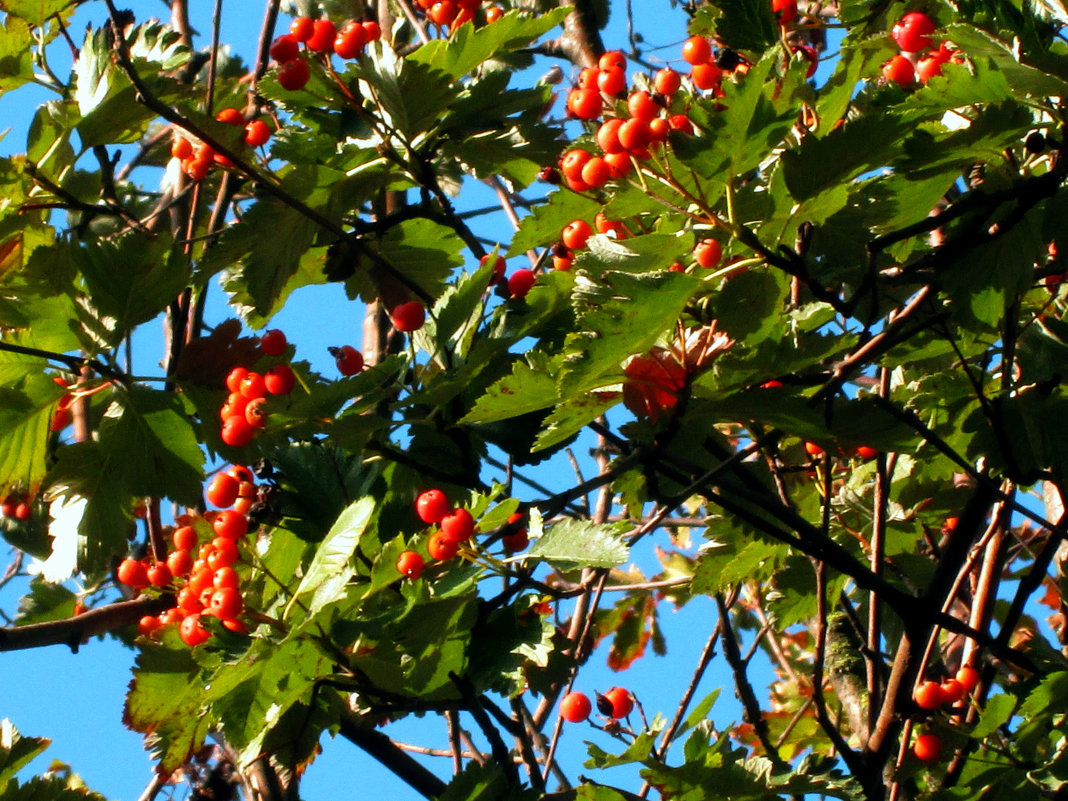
(165, 702)
(740, 24)
(623, 315)
(16, 751)
(529, 388)
(16, 53)
(576, 543)
(996, 713)
(329, 571)
(546, 221)
(469, 46)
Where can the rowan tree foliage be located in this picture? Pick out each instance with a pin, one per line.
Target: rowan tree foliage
(808, 327)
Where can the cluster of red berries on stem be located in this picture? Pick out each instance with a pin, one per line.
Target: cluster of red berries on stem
(931, 695)
(454, 526)
(319, 36)
(206, 583)
(451, 14)
(617, 703)
(244, 414)
(917, 60)
(198, 158)
(16, 507)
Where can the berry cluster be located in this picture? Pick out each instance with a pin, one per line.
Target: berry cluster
(455, 526)
(617, 703)
(318, 36)
(518, 283)
(15, 507)
(916, 61)
(243, 414)
(197, 158)
(451, 14)
(929, 696)
(207, 583)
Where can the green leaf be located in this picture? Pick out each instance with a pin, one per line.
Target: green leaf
(329, 571)
(16, 751)
(129, 279)
(577, 543)
(410, 94)
(165, 702)
(468, 46)
(624, 315)
(547, 220)
(740, 24)
(16, 53)
(45, 602)
(27, 399)
(36, 12)
(529, 388)
(996, 713)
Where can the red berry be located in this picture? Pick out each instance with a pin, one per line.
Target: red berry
(584, 103)
(866, 452)
(273, 342)
(612, 59)
(706, 76)
(785, 9)
(230, 525)
(350, 42)
(410, 564)
(612, 81)
(696, 50)
(912, 32)
(185, 538)
(323, 35)
(812, 449)
(432, 506)
(899, 70)
(293, 75)
(458, 525)
(132, 573)
(634, 135)
(575, 707)
(596, 172)
(180, 562)
(575, 234)
(953, 691)
(147, 625)
(236, 431)
(968, 677)
(252, 386)
(607, 139)
(573, 161)
(929, 695)
(159, 575)
(23, 511)
(226, 603)
(499, 266)
(257, 133)
(279, 380)
(520, 282)
(230, 116)
(191, 632)
(667, 81)
(349, 360)
(708, 253)
(409, 316)
(255, 414)
(518, 539)
(372, 29)
(222, 491)
(927, 748)
(620, 701)
(494, 13)
(302, 28)
(285, 48)
(642, 106)
(181, 148)
(441, 547)
(234, 379)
